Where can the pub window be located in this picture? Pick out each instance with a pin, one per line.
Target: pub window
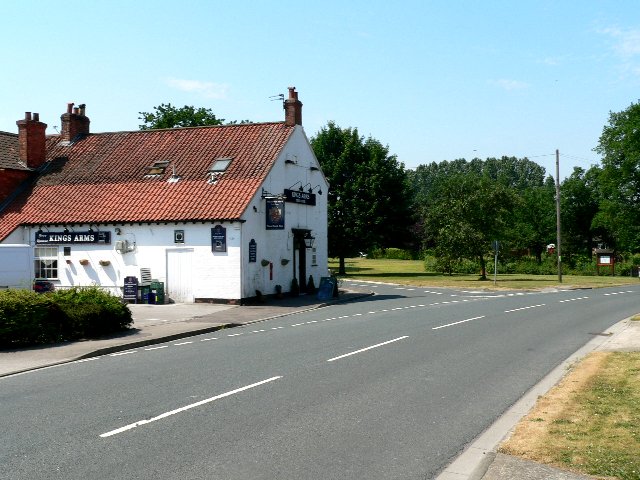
(46, 262)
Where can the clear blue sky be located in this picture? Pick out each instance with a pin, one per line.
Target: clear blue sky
(434, 80)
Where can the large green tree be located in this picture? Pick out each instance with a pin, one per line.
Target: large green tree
(166, 115)
(619, 146)
(580, 198)
(469, 212)
(368, 196)
(532, 223)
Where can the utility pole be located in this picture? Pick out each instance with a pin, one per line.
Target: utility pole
(558, 246)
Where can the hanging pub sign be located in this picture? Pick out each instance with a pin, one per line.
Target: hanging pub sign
(296, 196)
(72, 238)
(275, 214)
(218, 239)
(253, 251)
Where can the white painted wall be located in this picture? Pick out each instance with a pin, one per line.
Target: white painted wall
(276, 245)
(16, 266)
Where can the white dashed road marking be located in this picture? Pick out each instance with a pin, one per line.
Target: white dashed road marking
(457, 323)
(367, 348)
(525, 308)
(185, 408)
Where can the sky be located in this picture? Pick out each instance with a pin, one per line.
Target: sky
(433, 79)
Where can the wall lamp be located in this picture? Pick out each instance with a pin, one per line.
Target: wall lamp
(301, 188)
(312, 189)
(313, 169)
(308, 240)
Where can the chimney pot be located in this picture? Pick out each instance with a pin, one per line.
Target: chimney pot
(293, 109)
(32, 140)
(74, 122)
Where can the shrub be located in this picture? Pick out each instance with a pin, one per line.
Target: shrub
(311, 286)
(28, 318)
(295, 287)
(92, 312)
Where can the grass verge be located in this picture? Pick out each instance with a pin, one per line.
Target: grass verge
(411, 272)
(590, 422)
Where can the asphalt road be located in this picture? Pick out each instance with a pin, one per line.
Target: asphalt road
(390, 387)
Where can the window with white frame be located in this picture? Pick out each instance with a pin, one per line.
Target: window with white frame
(46, 262)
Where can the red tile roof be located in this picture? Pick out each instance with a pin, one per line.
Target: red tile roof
(9, 152)
(103, 177)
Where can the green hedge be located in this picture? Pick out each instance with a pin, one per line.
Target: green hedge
(574, 265)
(392, 254)
(29, 318)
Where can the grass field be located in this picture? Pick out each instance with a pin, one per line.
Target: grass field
(411, 272)
(590, 422)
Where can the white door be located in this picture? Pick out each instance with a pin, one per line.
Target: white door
(179, 271)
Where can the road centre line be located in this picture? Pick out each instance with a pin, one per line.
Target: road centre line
(122, 353)
(156, 348)
(525, 308)
(367, 348)
(572, 299)
(208, 339)
(181, 343)
(457, 323)
(187, 407)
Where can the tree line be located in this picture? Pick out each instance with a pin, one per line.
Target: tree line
(456, 209)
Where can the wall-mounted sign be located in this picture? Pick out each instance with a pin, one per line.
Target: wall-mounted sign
(65, 238)
(253, 251)
(296, 196)
(130, 288)
(178, 236)
(275, 214)
(218, 239)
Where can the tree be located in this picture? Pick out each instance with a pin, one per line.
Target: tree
(168, 116)
(619, 146)
(469, 212)
(368, 198)
(533, 221)
(580, 204)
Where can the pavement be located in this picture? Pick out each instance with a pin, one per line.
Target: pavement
(162, 323)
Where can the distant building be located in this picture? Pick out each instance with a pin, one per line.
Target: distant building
(215, 213)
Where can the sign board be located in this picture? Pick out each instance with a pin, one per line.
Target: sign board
(218, 239)
(130, 288)
(604, 260)
(275, 214)
(296, 196)
(325, 290)
(73, 238)
(253, 251)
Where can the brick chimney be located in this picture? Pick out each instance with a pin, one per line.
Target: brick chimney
(292, 109)
(74, 122)
(31, 140)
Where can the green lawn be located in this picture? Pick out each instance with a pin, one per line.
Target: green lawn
(411, 272)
